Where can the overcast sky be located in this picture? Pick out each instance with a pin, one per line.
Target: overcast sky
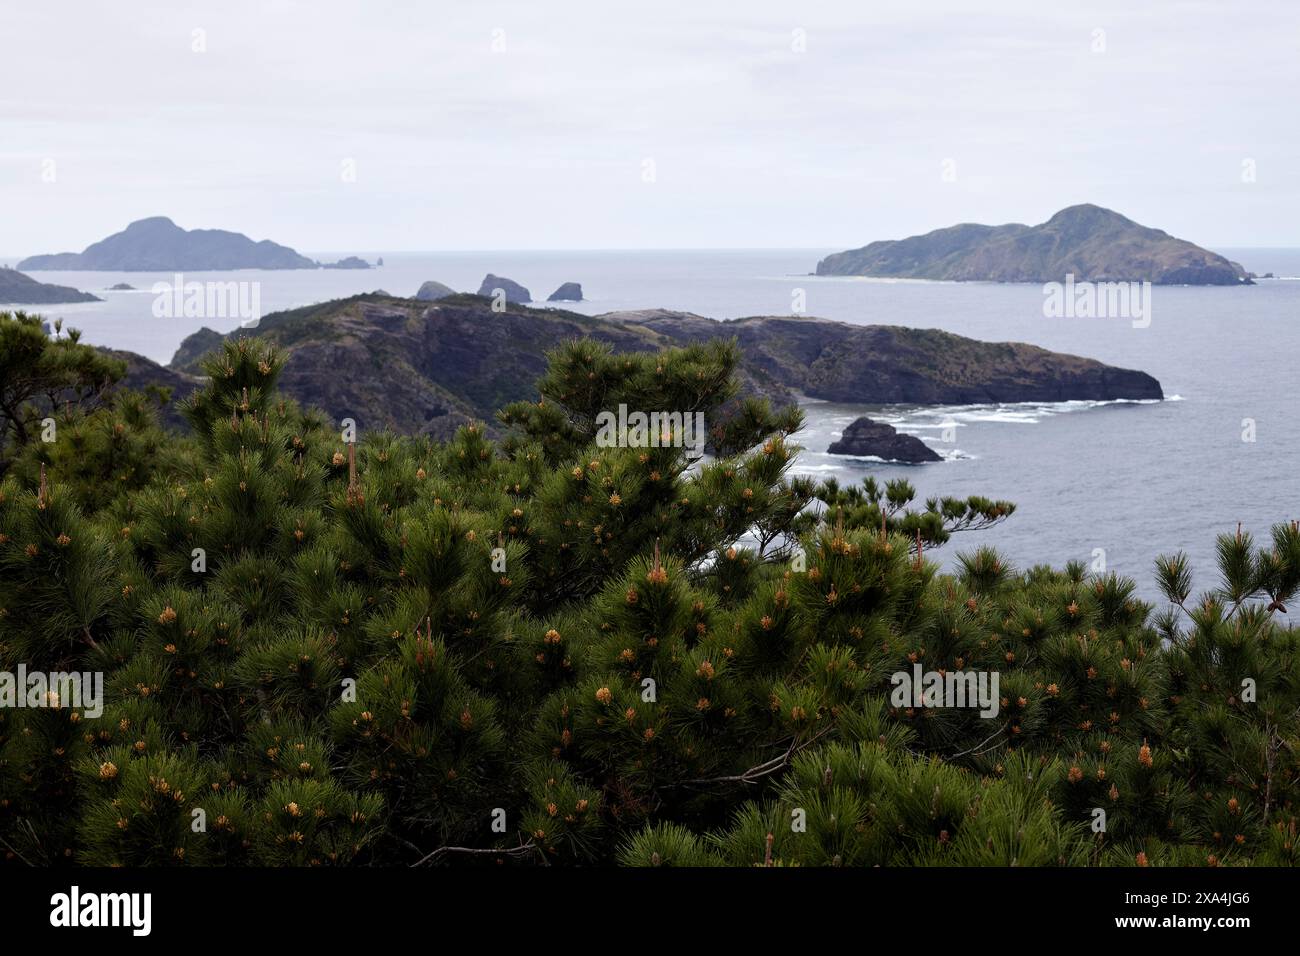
(386, 125)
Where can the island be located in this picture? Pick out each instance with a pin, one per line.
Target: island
(19, 289)
(1086, 241)
(351, 262)
(159, 245)
(458, 360)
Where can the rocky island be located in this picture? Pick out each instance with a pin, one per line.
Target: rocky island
(1091, 243)
(159, 245)
(514, 292)
(456, 360)
(878, 440)
(568, 292)
(351, 262)
(19, 289)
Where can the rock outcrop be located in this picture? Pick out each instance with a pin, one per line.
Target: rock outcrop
(514, 292)
(1091, 243)
(19, 289)
(568, 292)
(159, 245)
(879, 440)
(433, 291)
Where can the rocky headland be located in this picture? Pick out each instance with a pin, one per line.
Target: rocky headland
(19, 289)
(431, 367)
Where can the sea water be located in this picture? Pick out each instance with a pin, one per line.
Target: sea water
(1125, 481)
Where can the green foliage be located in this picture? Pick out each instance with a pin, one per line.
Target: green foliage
(39, 374)
(556, 650)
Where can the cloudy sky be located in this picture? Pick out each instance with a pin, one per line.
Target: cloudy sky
(432, 124)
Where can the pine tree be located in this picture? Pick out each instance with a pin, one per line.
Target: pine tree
(328, 645)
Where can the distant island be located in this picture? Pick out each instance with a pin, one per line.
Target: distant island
(351, 262)
(19, 289)
(457, 360)
(159, 245)
(1091, 243)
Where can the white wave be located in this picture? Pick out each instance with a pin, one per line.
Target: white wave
(921, 426)
(1020, 418)
(1029, 413)
(802, 467)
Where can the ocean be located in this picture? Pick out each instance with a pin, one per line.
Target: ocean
(1124, 481)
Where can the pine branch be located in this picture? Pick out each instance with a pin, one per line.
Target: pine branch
(757, 773)
(977, 746)
(523, 850)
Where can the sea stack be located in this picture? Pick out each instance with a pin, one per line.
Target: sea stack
(513, 291)
(569, 292)
(865, 437)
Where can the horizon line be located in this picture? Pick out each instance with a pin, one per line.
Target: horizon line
(313, 253)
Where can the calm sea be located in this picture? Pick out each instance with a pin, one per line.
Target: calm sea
(1133, 479)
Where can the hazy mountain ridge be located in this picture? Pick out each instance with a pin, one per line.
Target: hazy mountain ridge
(1086, 241)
